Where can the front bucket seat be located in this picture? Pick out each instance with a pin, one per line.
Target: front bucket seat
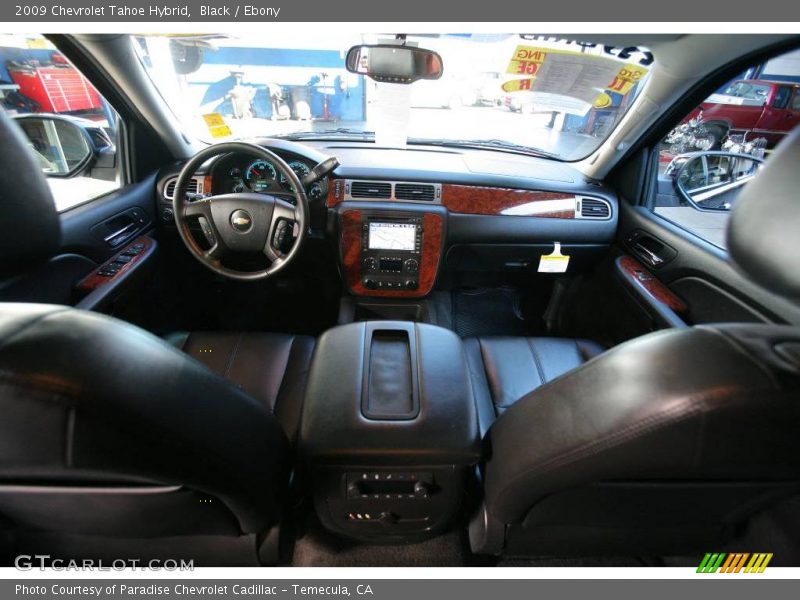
(115, 443)
(669, 443)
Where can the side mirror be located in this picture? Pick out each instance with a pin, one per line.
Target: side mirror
(66, 146)
(394, 64)
(713, 180)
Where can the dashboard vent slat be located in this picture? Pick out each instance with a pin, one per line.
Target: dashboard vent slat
(415, 191)
(169, 189)
(370, 189)
(592, 208)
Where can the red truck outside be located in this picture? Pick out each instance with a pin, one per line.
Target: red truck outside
(752, 107)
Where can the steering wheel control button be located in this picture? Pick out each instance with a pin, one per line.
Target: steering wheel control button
(241, 221)
(279, 240)
(207, 231)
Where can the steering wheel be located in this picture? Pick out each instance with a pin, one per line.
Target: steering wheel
(244, 221)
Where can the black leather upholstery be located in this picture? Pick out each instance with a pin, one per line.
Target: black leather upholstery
(504, 369)
(270, 367)
(667, 443)
(89, 402)
(645, 408)
(710, 405)
(30, 231)
(762, 233)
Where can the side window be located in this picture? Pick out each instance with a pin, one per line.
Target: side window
(782, 97)
(721, 145)
(71, 128)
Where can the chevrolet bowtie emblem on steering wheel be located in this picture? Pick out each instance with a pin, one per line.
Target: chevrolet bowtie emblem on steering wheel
(241, 220)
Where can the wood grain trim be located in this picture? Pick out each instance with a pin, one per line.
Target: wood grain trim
(644, 280)
(475, 200)
(335, 192)
(93, 281)
(350, 252)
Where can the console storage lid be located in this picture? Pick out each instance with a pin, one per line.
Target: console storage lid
(389, 393)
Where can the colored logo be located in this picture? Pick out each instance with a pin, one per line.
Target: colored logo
(241, 220)
(738, 562)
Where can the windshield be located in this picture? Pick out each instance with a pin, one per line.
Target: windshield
(519, 93)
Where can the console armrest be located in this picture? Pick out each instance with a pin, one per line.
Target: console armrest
(389, 393)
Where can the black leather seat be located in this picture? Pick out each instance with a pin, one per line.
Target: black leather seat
(270, 367)
(504, 369)
(667, 444)
(113, 442)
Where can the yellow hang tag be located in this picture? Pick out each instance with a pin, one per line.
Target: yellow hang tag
(216, 125)
(555, 262)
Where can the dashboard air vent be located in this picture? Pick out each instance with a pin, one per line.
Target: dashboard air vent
(592, 208)
(370, 189)
(415, 191)
(169, 189)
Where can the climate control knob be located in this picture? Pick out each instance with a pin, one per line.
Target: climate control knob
(370, 263)
(422, 489)
(412, 265)
(411, 284)
(370, 284)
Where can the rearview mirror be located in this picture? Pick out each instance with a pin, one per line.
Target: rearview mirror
(66, 146)
(713, 180)
(394, 64)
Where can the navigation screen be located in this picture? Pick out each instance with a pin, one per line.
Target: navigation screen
(392, 236)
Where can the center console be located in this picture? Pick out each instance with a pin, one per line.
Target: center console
(391, 248)
(389, 430)
(390, 253)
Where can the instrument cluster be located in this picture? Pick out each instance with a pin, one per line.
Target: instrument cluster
(246, 174)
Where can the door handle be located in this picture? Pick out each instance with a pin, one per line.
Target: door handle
(111, 236)
(653, 258)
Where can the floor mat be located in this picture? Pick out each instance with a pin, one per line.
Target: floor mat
(489, 311)
(318, 548)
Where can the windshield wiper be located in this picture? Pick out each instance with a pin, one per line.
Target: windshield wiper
(488, 143)
(343, 132)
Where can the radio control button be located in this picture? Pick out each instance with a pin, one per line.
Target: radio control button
(412, 265)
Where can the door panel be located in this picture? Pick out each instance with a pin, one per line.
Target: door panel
(92, 234)
(89, 229)
(700, 274)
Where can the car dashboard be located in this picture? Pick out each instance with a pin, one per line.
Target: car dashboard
(469, 210)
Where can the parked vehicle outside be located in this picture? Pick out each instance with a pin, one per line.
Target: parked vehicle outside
(750, 107)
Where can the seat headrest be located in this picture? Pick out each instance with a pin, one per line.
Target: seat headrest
(30, 231)
(764, 228)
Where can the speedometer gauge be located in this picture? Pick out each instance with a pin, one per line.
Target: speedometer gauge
(260, 175)
(300, 169)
